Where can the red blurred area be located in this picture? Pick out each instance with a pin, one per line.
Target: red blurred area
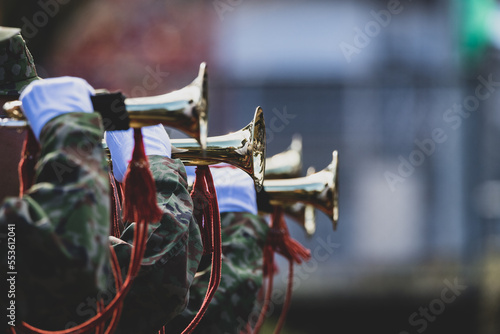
(140, 50)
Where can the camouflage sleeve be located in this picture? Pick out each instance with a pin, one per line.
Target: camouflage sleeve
(174, 249)
(243, 237)
(61, 225)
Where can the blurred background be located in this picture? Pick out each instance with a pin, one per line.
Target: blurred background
(406, 91)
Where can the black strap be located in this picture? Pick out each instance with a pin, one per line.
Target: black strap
(263, 201)
(111, 106)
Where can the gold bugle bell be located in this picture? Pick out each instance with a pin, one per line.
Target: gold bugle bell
(184, 109)
(245, 149)
(319, 189)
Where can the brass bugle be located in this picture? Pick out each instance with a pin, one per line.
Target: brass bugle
(245, 149)
(319, 189)
(286, 164)
(185, 109)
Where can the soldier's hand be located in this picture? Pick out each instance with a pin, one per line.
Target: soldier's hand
(235, 189)
(43, 100)
(121, 145)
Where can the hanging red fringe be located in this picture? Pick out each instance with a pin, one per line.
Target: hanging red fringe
(206, 212)
(139, 202)
(140, 207)
(279, 241)
(26, 167)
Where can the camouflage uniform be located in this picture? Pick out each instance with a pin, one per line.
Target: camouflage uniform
(62, 226)
(243, 237)
(17, 68)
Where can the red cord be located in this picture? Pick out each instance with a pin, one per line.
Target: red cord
(116, 209)
(26, 167)
(280, 241)
(208, 216)
(267, 298)
(288, 298)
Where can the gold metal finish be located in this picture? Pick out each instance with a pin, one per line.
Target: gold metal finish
(245, 149)
(286, 164)
(185, 109)
(13, 109)
(319, 189)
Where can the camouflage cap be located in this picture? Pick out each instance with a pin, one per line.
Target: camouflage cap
(17, 68)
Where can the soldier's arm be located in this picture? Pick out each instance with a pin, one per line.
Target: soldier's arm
(243, 237)
(62, 222)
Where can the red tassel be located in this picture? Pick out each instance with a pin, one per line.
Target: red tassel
(139, 203)
(29, 158)
(280, 241)
(206, 211)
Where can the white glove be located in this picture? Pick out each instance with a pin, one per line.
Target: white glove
(46, 99)
(121, 145)
(235, 188)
